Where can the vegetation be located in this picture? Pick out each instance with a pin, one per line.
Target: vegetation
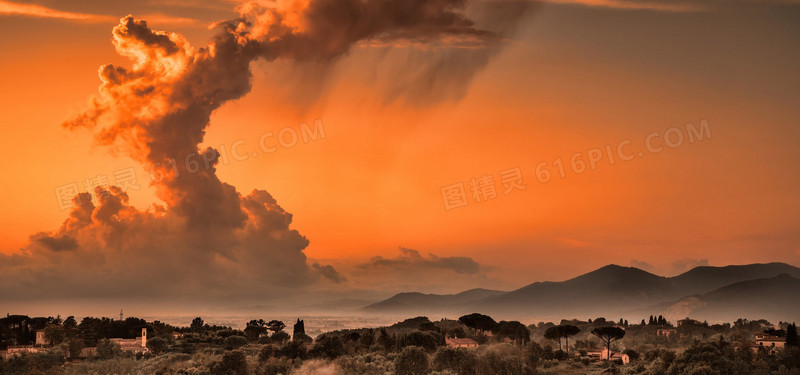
(558, 332)
(609, 334)
(413, 346)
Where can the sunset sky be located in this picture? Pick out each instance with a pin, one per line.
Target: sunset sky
(407, 109)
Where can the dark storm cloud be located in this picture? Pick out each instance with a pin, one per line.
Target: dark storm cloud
(423, 52)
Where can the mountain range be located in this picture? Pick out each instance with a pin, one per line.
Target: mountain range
(755, 291)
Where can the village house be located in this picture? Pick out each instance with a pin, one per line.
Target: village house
(40, 338)
(688, 321)
(602, 354)
(461, 343)
(89, 352)
(13, 350)
(624, 358)
(770, 341)
(137, 345)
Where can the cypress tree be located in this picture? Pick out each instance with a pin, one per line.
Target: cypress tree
(791, 335)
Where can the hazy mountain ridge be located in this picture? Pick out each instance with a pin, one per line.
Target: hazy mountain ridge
(774, 298)
(410, 301)
(718, 277)
(760, 290)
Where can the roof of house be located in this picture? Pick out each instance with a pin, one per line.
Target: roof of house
(462, 341)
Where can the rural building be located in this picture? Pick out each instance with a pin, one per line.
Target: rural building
(13, 350)
(461, 343)
(770, 341)
(40, 340)
(137, 345)
(689, 322)
(598, 354)
(622, 357)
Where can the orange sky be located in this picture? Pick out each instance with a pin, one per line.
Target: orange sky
(575, 77)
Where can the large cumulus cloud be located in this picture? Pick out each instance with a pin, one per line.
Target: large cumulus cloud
(206, 238)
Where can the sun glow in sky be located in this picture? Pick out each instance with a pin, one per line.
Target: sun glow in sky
(403, 120)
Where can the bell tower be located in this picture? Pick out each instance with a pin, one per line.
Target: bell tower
(144, 337)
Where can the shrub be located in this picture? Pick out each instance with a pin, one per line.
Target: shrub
(275, 367)
(157, 345)
(232, 363)
(458, 360)
(292, 350)
(265, 353)
(235, 342)
(107, 349)
(33, 363)
(280, 337)
(368, 364)
(327, 346)
(428, 340)
(411, 361)
(502, 360)
(76, 346)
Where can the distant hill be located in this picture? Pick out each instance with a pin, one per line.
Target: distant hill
(703, 279)
(409, 302)
(613, 291)
(604, 289)
(774, 298)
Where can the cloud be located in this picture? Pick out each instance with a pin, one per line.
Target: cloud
(680, 6)
(655, 5)
(205, 239)
(411, 259)
(329, 272)
(685, 264)
(55, 243)
(409, 270)
(31, 10)
(573, 242)
(165, 19)
(643, 265)
(432, 45)
(38, 11)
